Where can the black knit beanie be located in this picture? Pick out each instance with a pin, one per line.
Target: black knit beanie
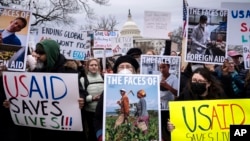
(134, 51)
(127, 58)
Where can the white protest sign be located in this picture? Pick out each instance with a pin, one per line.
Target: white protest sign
(238, 22)
(44, 100)
(99, 53)
(121, 45)
(73, 45)
(102, 40)
(157, 24)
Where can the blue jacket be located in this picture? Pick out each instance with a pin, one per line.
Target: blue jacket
(11, 39)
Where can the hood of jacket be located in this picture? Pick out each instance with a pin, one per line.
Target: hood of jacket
(52, 51)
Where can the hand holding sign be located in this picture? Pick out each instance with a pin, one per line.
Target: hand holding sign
(6, 104)
(81, 103)
(44, 38)
(170, 126)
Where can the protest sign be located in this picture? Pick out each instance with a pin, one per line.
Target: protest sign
(44, 100)
(117, 104)
(157, 24)
(121, 45)
(163, 65)
(238, 27)
(102, 41)
(238, 22)
(206, 36)
(99, 52)
(73, 45)
(13, 38)
(207, 119)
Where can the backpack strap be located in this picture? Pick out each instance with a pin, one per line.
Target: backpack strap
(86, 81)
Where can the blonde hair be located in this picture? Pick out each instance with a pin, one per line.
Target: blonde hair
(151, 51)
(90, 60)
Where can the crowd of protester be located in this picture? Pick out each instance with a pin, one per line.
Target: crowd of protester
(197, 82)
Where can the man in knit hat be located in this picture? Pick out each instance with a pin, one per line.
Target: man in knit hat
(126, 65)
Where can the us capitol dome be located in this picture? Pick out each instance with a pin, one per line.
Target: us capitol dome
(130, 28)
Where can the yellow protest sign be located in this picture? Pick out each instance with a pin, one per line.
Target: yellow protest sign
(207, 120)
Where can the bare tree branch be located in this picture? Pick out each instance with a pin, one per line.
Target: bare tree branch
(56, 11)
(101, 2)
(107, 23)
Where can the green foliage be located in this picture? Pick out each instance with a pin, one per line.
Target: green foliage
(129, 132)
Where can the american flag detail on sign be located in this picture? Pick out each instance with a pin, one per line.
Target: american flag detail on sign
(185, 4)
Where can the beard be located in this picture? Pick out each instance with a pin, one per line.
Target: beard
(39, 64)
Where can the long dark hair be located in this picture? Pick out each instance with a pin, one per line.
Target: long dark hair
(215, 90)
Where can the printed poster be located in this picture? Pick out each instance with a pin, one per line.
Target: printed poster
(207, 42)
(13, 47)
(168, 68)
(131, 107)
(44, 100)
(73, 45)
(207, 120)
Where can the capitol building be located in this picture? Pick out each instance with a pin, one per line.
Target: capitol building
(130, 28)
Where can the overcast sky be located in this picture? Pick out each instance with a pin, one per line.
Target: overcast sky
(119, 9)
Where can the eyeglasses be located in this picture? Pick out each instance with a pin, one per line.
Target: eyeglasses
(199, 81)
(125, 67)
(93, 65)
(39, 52)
